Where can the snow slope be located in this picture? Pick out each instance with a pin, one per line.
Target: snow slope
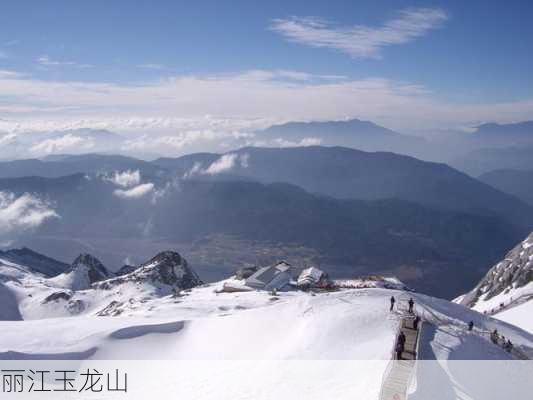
(332, 344)
(506, 291)
(521, 315)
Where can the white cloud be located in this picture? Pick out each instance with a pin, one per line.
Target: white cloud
(126, 179)
(195, 170)
(46, 61)
(130, 185)
(361, 41)
(22, 213)
(179, 141)
(188, 110)
(7, 74)
(158, 67)
(8, 139)
(62, 144)
(135, 192)
(226, 163)
(223, 164)
(280, 142)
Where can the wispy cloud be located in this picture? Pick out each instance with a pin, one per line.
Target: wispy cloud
(135, 192)
(159, 67)
(223, 164)
(226, 163)
(361, 41)
(125, 179)
(46, 61)
(7, 74)
(62, 144)
(129, 184)
(20, 213)
(194, 110)
(280, 142)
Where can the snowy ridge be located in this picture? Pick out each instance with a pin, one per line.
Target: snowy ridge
(33, 261)
(506, 286)
(168, 270)
(161, 311)
(85, 271)
(89, 288)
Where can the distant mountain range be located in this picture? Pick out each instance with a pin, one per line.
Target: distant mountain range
(505, 134)
(362, 135)
(61, 165)
(71, 141)
(354, 211)
(484, 160)
(351, 174)
(428, 248)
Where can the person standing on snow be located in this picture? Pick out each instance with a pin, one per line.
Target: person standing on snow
(494, 336)
(411, 305)
(401, 338)
(399, 350)
(400, 346)
(471, 326)
(392, 301)
(416, 322)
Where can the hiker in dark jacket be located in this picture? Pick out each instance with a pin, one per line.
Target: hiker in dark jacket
(416, 322)
(411, 305)
(471, 326)
(494, 336)
(399, 350)
(392, 301)
(401, 338)
(400, 345)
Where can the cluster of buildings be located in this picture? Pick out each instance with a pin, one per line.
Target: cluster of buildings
(279, 277)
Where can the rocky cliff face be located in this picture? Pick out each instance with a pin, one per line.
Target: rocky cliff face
(94, 268)
(515, 271)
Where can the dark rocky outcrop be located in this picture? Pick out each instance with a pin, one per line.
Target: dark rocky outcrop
(94, 268)
(167, 268)
(514, 271)
(58, 296)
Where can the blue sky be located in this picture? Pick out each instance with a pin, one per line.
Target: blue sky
(469, 60)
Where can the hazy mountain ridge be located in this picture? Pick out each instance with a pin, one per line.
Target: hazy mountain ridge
(342, 206)
(352, 233)
(515, 182)
(63, 165)
(352, 174)
(480, 161)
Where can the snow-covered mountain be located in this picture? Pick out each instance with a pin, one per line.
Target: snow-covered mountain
(85, 271)
(88, 287)
(168, 271)
(161, 310)
(506, 291)
(33, 261)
